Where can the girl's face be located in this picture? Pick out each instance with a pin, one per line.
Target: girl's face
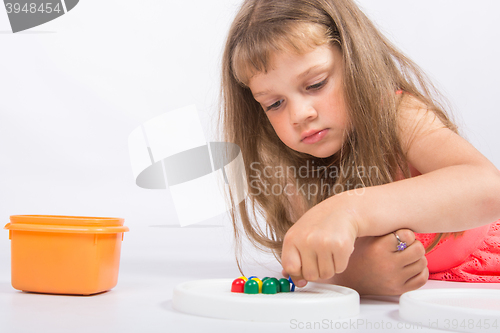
(303, 98)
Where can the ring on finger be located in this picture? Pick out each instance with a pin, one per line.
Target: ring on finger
(401, 245)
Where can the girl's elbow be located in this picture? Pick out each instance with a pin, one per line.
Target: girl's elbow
(496, 181)
(493, 203)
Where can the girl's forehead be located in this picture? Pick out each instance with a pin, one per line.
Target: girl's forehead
(257, 50)
(295, 66)
(300, 64)
(277, 58)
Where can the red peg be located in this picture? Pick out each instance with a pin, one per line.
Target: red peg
(238, 286)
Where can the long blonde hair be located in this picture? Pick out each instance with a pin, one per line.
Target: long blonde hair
(373, 71)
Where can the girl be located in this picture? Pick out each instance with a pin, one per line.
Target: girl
(344, 141)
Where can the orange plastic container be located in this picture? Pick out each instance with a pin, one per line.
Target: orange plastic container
(65, 254)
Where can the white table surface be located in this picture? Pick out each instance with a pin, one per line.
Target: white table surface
(154, 260)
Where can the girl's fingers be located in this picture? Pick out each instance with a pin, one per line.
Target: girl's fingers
(415, 268)
(417, 281)
(326, 265)
(310, 269)
(290, 259)
(411, 254)
(342, 258)
(292, 264)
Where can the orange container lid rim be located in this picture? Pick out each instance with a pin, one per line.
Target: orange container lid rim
(80, 229)
(66, 220)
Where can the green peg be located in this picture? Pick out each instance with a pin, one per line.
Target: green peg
(284, 285)
(251, 287)
(270, 287)
(277, 283)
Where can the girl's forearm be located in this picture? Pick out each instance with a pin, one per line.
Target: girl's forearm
(450, 199)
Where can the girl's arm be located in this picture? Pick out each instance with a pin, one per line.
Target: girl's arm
(459, 188)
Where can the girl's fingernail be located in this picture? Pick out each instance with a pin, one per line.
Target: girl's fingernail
(301, 283)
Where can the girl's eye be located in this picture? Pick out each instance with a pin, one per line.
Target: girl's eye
(274, 105)
(316, 86)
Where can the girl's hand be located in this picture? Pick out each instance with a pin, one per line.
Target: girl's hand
(376, 268)
(319, 244)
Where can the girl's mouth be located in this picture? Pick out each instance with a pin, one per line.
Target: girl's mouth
(314, 136)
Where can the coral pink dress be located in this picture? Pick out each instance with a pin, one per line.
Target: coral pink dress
(472, 257)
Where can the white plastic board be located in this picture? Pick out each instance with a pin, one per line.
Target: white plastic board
(465, 310)
(315, 302)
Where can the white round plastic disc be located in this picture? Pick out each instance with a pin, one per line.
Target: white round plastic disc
(315, 302)
(467, 310)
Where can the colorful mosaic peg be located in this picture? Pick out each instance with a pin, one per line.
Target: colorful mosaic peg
(284, 285)
(277, 283)
(258, 281)
(238, 285)
(292, 285)
(270, 286)
(251, 287)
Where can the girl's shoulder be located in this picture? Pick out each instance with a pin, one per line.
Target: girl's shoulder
(414, 114)
(414, 120)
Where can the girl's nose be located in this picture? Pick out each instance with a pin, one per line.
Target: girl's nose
(302, 112)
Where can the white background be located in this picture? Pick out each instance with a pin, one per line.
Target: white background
(73, 89)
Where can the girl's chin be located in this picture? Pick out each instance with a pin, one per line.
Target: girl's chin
(323, 153)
